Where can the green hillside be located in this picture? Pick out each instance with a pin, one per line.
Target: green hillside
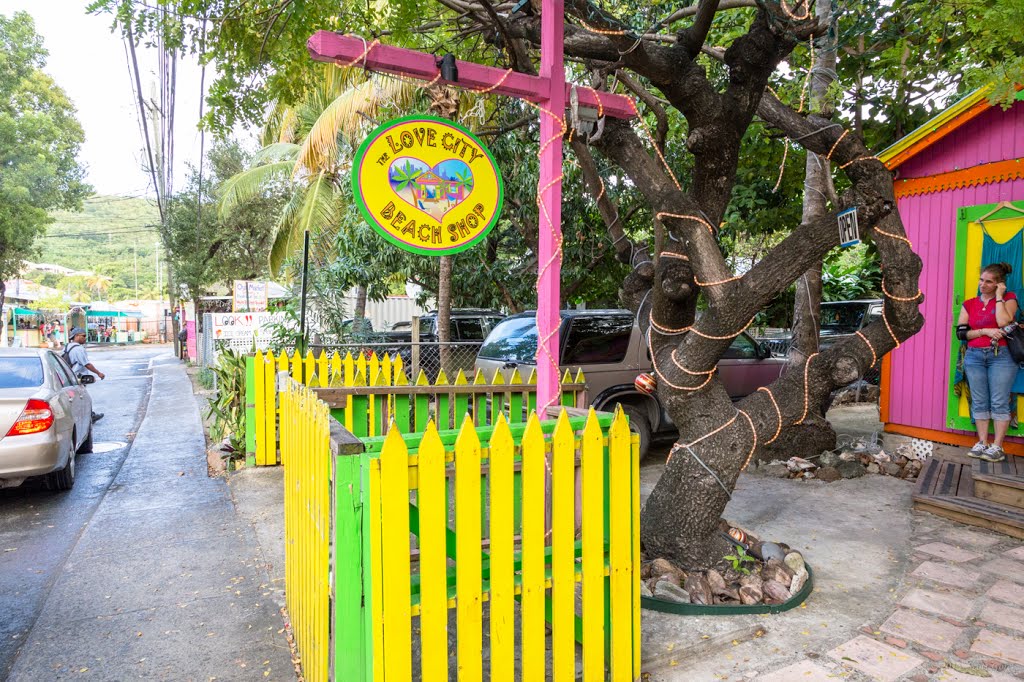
(104, 237)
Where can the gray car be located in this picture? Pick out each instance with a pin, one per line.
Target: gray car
(608, 346)
(45, 418)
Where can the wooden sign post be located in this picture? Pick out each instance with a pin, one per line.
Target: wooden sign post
(548, 92)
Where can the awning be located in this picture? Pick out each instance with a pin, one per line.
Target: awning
(26, 311)
(111, 313)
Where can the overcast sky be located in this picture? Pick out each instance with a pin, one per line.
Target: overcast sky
(88, 62)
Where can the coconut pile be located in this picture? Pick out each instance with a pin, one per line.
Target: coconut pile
(852, 461)
(755, 573)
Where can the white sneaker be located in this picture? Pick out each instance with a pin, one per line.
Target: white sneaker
(978, 450)
(993, 453)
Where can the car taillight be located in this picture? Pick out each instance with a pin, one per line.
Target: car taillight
(35, 418)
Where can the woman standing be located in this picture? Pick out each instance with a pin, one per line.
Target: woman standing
(989, 368)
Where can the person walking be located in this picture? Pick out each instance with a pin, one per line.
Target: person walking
(989, 368)
(79, 360)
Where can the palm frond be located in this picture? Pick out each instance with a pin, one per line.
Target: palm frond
(343, 116)
(317, 212)
(250, 183)
(278, 151)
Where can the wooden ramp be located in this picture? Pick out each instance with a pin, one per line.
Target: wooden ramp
(974, 492)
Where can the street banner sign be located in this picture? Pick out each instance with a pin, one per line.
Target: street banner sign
(849, 234)
(249, 296)
(427, 185)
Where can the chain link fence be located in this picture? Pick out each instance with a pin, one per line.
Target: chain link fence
(426, 356)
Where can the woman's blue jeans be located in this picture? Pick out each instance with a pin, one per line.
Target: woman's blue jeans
(990, 377)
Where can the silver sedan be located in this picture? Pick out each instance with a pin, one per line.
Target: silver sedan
(45, 418)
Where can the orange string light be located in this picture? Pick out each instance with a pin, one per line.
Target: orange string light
(698, 219)
(778, 414)
(721, 338)
(650, 137)
(720, 428)
(782, 167)
(600, 31)
(691, 372)
(902, 299)
(874, 355)
(889, 327)
(362, 57)
(892, 235)
(719, 282)
(807, 366)
(836, 144)
(750, 455)
(810, 70)
(862, 158)
(490, 88)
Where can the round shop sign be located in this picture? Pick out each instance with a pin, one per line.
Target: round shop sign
(427, 185)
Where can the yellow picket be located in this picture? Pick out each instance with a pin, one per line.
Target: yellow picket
(335, 364)
(592, 463)
(269, 434)
(376, 568)
(296, 363)
(323, 372)
(469, 603)
(563, 561)
(385, 368)
(532, 575)
(305, 445)
(620, 514)
(433, 506)
(502, 532)
(398, 367)
(394, 483)
(634, 576)
(260, 405)
(350, 376)
(373, 366)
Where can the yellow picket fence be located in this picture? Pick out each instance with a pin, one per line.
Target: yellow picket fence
(326, 370)
(502, 492)
(306, 456)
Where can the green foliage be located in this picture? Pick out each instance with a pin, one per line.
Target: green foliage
(227, 408)
(205, 377)
(851, 274)
(739, 560)
(39, 144)
(219, 248)
(105, 238)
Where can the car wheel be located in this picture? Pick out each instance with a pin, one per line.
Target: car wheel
(65, 478)
(640, 425)
(86, 446)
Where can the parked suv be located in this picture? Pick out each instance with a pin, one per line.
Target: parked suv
(468, 328)
(609, 347)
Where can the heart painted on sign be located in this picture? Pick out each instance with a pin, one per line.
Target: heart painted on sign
(435, 190)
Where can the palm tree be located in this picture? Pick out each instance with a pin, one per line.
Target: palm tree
(98, 283)
(303, 146)
(405, 175)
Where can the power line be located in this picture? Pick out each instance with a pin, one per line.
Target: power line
(69, 235)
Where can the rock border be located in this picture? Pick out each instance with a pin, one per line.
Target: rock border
(655, 604)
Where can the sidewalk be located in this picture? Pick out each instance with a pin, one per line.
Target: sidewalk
(166, 582)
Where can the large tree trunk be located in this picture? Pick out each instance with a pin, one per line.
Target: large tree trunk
(359, 312)
(444, 311)
(718, 437)
(817, 435)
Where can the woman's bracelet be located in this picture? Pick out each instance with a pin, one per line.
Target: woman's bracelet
(1000, 300)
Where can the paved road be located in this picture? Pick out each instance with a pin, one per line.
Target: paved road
(38, 527)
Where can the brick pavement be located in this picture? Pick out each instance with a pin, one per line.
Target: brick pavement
(960, 618)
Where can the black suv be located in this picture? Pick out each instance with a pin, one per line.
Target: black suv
(469, 327)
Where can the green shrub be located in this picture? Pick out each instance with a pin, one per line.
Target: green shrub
(227, 407)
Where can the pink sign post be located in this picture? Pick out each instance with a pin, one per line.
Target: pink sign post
(549, 198)
(548, 92)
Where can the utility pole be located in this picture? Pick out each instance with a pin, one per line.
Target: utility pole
(135, 258)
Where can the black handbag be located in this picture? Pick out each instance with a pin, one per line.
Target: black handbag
(1015, 343)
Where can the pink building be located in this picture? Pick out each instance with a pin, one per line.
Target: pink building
(960, 191)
